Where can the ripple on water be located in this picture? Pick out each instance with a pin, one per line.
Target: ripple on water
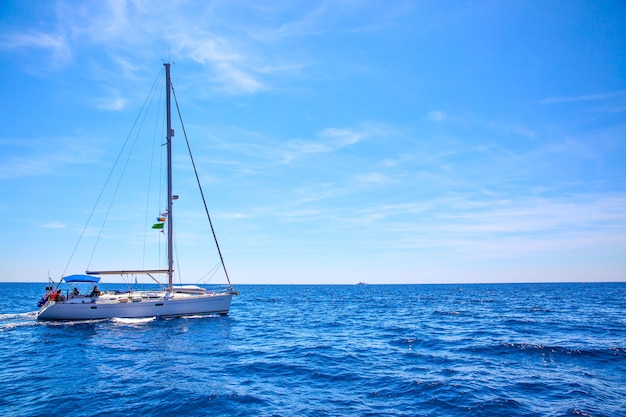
(514, 350)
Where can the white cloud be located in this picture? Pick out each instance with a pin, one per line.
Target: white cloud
(237, 80)
(114, 102)
(302, 146)
(587, 97)
(328, 140)
(436, 116)
(230, 69)
(55, 44)
(17, 167)
(54, 225)
(27, 158)
(373, 178)
(340, 138)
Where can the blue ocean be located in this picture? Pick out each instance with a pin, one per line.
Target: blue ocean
(360, 350)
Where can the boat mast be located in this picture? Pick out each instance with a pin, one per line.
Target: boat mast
(170, 220)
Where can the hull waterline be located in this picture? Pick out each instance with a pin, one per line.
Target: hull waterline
(209, 304)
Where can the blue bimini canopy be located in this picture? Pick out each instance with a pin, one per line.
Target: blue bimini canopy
(81, 278)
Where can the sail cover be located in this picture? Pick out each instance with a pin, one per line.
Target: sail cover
(81, 278)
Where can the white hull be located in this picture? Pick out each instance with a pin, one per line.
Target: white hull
(136, 305)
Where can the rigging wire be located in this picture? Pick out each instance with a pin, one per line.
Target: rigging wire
(155, 136)
(206, 209)
(104, 187)
(149, 100)
(211, 272)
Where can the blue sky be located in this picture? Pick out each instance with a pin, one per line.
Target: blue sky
(337, 141)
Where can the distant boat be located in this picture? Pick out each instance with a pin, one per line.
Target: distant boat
(361, 283)
(168, 301)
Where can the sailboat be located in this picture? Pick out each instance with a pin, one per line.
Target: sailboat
(166, 301)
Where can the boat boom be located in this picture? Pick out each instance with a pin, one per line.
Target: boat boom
(129, 272)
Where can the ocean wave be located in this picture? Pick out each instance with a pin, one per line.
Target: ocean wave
(14, 321)
(333, 351)
(532, 348)
(132, 321)
(14, 316)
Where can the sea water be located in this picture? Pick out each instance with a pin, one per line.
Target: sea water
(362, 350)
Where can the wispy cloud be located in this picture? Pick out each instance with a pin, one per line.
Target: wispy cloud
(112, 29)
(587, 97)
(436, 116)
(492, 229)
(334, 139)
(56, 44)
(17, 167)
(114, 102)
(54, 225)
(265, 154)
(373, 178)
(338, 138)
(328, 140)
(28, 158)
(231, 70)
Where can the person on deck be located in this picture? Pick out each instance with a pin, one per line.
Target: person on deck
(95, 292)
